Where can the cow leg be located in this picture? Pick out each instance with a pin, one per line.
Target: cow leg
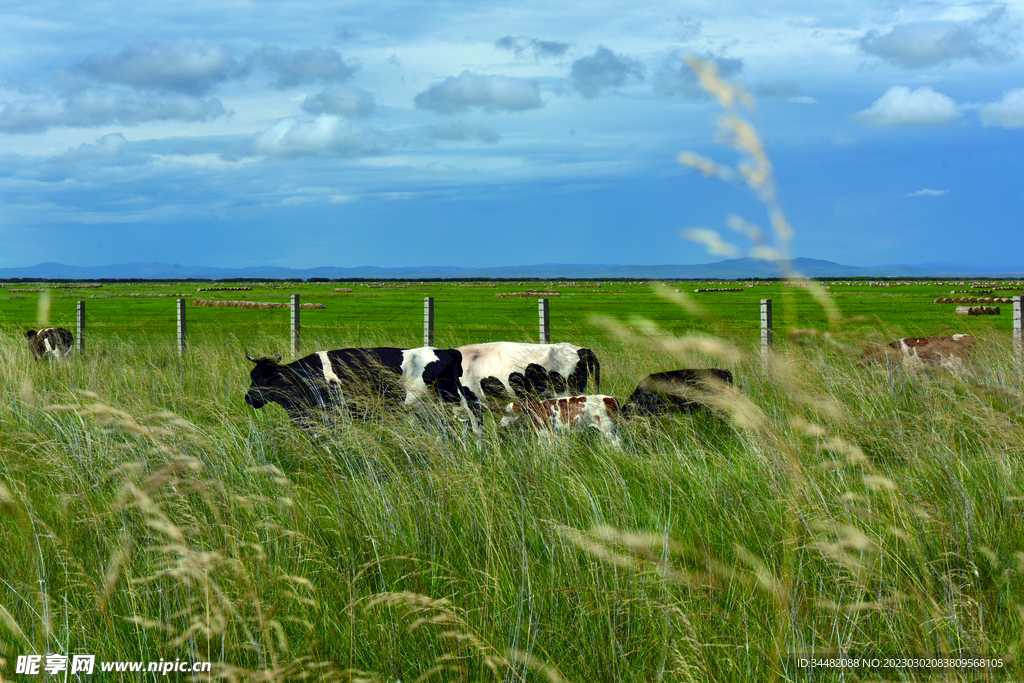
(470, 415)
(517, 381)
(558, 382)
(585, 366)
(494, 391)
(537, 382)
(607, 429)
(578, 378)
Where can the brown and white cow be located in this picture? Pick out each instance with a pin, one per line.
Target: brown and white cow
(53, 342)
(948, 352)
(567, 413)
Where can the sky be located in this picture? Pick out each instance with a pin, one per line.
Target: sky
(461, 133)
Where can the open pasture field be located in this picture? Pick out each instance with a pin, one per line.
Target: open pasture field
(146, 512)
(471, 312)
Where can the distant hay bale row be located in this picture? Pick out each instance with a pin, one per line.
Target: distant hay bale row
(224, 289)
(972, 300)
(970, 291)
(142, 295)
(342, 289)
(24, 291)
(250, 304)
(737, 289)
(530, 293)
(977, 310)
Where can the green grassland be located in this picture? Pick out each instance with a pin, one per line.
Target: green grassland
(147, 512)
(144, 313)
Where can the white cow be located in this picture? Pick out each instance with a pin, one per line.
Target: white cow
(499, 372)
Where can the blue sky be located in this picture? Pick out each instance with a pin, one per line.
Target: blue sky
(304, 134)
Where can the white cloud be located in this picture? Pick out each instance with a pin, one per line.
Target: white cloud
(108, 146)
(540, 48)
(188, 66)
(673, 77)
(991, 38)
(324, 135)
(927, 193)
(295, 67)
(783, 88)
(89, 108)
(458, 131)
(1007, 112)
(342, 101)
(457, 94)
(604, 71)
(901, 106)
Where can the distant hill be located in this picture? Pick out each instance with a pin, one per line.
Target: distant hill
(729, 269)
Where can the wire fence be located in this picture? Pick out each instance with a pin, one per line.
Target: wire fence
(398, 315)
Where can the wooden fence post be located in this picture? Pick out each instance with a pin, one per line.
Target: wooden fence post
(545, 320)
(295, 325)
(1018, 330)
(181, 327)
(80, 310)
(428, 321)
(767, 335)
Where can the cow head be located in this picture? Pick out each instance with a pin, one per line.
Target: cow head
(271, 381)
(510, 415)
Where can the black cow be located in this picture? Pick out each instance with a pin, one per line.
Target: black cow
(362, 382)
(676, 390)
(53, 342)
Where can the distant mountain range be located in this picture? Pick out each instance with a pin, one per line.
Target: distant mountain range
(729, 269)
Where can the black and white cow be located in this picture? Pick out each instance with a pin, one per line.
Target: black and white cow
(498, 373)
(53, 342)
(362, 382)
(685, 391)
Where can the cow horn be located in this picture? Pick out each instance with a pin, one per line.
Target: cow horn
(278, 356)
(249, 357)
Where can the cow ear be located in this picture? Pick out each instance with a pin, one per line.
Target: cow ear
(30, 334)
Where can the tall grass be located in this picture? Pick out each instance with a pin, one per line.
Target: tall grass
(824, 507)
(147, 513)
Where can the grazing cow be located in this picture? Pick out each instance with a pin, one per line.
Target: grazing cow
(685, 391)
(948, 352)
(363, 382)
(499, 372)
(569, 412)
(53, 342)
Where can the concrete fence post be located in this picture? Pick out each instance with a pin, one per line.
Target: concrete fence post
(181, 327)
(1018, 330)
(80, 315)
(545, 320)
(428, 321)
(767, 334)
(295, 325)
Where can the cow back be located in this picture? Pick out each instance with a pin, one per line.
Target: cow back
(675, 391)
